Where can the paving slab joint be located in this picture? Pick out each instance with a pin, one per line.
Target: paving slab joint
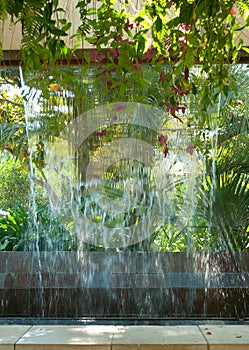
(204, 336)
(26, 331)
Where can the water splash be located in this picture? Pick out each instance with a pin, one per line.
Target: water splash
(112, 200)
(31, 111)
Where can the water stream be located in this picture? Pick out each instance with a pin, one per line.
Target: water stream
(31, 113)
(124, 235)
(113, 176)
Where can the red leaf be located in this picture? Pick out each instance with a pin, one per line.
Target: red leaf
(166, 151)
(163, 140)
(101, 133)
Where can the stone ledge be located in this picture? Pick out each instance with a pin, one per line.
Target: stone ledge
(124, 280)
(111, 337)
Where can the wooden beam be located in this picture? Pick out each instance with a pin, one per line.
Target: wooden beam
(13, 58)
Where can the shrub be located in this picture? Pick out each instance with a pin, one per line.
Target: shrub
(14, 183)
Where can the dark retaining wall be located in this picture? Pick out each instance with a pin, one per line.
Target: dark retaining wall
(98, 284)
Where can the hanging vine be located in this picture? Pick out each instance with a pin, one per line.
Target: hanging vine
(179, 34)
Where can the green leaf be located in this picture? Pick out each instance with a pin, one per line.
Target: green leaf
(58, 32)
(86, 57)
(158, 24)
(62, 21)
(66, 27)
(64, 50)
(246, 49)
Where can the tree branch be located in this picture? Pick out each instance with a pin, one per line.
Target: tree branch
(52, 195)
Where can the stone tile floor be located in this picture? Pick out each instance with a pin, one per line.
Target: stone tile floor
(110, 337)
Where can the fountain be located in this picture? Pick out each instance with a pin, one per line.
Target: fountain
(116, 174)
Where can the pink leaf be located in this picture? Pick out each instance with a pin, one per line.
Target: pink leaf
(119, 107)
(190, 150)
(114, 53)
(148, 55)
(136, 67)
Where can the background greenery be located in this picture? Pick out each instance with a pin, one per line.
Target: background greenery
(178, 56)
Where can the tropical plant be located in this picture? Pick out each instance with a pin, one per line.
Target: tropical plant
(14, 183)
(224, 197)
(13, 230)
(21, 230)
(48, 233)
(178, 33)
(146, 56)
(221, 140)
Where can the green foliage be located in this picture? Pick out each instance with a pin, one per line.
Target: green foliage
(224, 197)
(178, 33)
(14, 183)
(168, 238)
(13, 230)
(48, 233)
(12, 123)
(20, 230)
(149, 56)
(224, 165)
(44, 26)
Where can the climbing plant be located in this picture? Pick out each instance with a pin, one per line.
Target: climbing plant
(177, 33)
